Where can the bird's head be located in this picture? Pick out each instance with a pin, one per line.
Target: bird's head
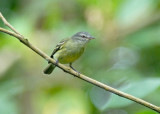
(82, 37)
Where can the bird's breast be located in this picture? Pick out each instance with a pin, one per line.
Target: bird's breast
(69, 53)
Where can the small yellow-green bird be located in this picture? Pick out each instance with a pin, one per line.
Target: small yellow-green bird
(69, 50)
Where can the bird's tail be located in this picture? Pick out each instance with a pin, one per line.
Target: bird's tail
(49, 69)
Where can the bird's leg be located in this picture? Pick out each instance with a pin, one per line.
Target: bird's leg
(70, 64)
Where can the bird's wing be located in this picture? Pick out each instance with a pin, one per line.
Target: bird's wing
(59, 46)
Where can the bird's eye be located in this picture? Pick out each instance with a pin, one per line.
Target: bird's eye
(83, 36)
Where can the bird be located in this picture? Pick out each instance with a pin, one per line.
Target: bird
(69, 50)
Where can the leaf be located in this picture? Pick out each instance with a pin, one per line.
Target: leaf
(99, 97)
(67, 101)
(103, 100)
(138, 89)
(132, 10)
(146, 112)
(146, 37)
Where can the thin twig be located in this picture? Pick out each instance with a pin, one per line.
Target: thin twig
(8, 25)
(72, 72)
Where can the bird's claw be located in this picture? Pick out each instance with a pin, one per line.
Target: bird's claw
(78, 73)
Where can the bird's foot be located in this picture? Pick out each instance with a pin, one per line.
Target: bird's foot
(78, 73)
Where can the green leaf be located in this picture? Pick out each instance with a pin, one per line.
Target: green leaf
(99, 97)
(132, 10)
(146, 112)
(138, 89)
(103, 100)
(145, 38)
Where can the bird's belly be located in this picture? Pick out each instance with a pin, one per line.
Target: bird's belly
(69, 55)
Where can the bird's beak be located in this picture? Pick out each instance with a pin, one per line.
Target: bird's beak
(90, 37)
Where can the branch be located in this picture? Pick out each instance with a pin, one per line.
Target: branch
(72, 72)
(7, 24)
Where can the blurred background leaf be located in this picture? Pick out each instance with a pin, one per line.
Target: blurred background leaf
(135, 89)
(124, 55)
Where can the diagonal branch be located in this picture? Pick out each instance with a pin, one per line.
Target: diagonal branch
(72, 72)
(7, 24)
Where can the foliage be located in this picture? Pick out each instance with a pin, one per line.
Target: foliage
(125, 55)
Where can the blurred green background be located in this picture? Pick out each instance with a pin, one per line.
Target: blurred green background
(124, 55)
